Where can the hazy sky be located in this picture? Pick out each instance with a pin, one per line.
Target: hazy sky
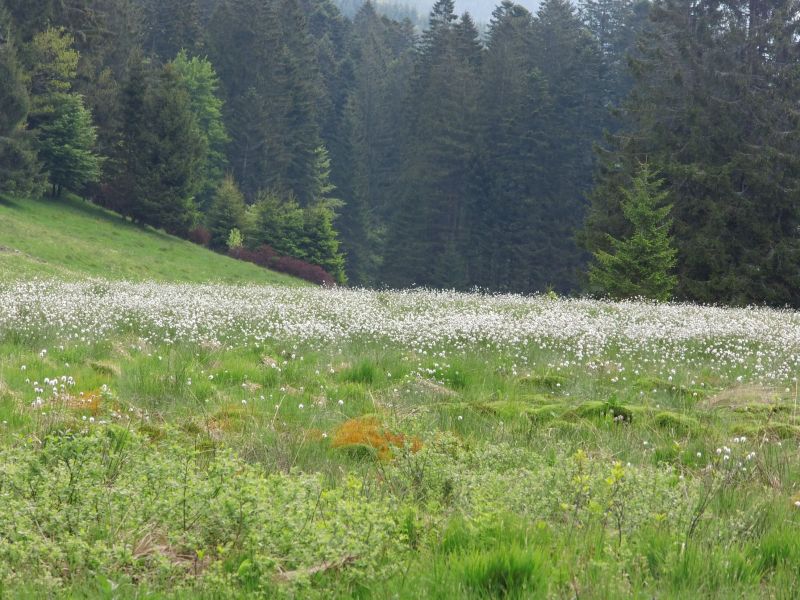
(481, 10)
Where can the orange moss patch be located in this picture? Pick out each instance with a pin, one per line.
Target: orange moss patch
(367, 432)
(86, 401)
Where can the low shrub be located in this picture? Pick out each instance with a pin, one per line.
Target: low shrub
(200, 236)
(265, 256)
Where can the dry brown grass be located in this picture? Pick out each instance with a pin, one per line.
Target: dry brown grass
(743, 395)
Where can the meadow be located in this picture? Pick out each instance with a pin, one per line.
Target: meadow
(185, 440)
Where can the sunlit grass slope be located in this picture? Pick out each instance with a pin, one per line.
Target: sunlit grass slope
(73, 239)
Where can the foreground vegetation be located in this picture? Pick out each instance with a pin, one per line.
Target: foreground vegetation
(73, 239)
(220, 441)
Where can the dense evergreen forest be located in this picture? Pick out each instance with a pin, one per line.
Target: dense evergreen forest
(562, 149)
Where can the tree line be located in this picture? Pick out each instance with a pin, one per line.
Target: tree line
(618, 146)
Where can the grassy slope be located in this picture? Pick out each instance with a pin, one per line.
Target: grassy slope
(70, 238)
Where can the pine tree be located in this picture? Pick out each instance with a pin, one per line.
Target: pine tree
(227, 212)
(641, 264)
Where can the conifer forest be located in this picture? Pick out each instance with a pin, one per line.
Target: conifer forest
(392, 150)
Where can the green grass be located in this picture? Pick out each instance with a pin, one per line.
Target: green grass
(528, 485)
(72, 239)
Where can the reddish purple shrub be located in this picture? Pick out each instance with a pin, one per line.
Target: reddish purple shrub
(265, 256)
(200, 235)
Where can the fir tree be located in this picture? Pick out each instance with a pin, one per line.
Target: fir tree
(641, 264)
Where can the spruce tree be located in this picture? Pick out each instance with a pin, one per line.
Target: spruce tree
(381, 53)
(641, 264)
(319, 244)
(515, 112)
(66, 143)
(570, 61)
(430, 228)
(200, 81)
(129, 163)
(162, 150)
(18, 164)
(266, 62)
(227, 212)
(59, 119)
(174, 150)
(170, 26)
(712, 106)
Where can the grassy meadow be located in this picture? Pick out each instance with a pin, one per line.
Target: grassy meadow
(185, 441)
(72, 239)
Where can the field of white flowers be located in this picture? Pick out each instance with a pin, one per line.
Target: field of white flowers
(190, 440)
(758, 344)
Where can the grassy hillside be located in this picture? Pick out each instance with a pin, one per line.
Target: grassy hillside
(70, 238)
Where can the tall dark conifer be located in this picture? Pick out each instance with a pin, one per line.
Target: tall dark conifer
(18, 164)
(170, 26)
(712, 108)
(266, 63)
(515, 110)
(429, 232)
